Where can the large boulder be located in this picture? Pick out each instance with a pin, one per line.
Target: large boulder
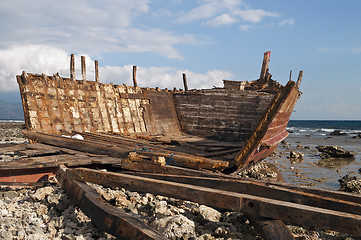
(335, 151)
(351, 184)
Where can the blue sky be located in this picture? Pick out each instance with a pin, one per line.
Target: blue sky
(210, 40)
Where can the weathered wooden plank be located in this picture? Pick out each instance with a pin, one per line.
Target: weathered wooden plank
(105, 216)
(257, 206)
(268, 190)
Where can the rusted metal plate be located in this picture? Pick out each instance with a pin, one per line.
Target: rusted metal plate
(26, 175)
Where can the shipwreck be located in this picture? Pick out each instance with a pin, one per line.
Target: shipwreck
(188, 144)
(220, 129)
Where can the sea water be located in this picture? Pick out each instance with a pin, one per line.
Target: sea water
(312, 170)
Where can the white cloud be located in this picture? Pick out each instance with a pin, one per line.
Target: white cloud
(245, 27)
(88, 26)
(254, 15)
(356, 50)
(216, 13)
(224, 19)
(163, 77)
(49, 60)
(287, 22)
(209, 9)
(322, 49)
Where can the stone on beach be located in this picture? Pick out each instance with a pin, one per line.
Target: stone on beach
(209, 213)
(296, 154)
(334, 151)
(338, 133)
(175, 227)
(351, 184)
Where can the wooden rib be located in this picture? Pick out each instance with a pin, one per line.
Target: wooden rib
(105, 216)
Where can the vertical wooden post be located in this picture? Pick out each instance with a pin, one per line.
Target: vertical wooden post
(185, 82)
(83, 69)
(135, 76)
(299, 79)
(72, 67)
(290, 75)
(96, 71)
(266, 58)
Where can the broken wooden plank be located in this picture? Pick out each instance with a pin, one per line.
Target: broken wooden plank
(105, 216)
(257, 206)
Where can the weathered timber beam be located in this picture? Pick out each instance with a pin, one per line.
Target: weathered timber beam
(72, 67)
(96, 70)
(299, 79)
(83, 69)
(13, 148)
(135, 84)
(145, 167)
(266, 190)
(185, 82)
(252, 205)
(265, 63)
(179, 159)
(105, 216)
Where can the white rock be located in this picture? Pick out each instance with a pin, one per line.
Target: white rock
(209, 214)
(175, 227)
(41, 193)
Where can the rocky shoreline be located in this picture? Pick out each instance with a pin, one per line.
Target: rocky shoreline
(46, 212)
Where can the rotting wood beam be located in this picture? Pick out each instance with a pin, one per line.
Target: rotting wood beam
(178, 159)
(105, 216)
(252, 205)
(266, 190)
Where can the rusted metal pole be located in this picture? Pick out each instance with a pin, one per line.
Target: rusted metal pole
(266, 58)
(96, 71)
(72, 67)
(185, 82)
(83, 69)
(299, 79)
(135, 76)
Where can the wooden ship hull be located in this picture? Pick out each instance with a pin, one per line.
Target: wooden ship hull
(221, 129)
(174, 143)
